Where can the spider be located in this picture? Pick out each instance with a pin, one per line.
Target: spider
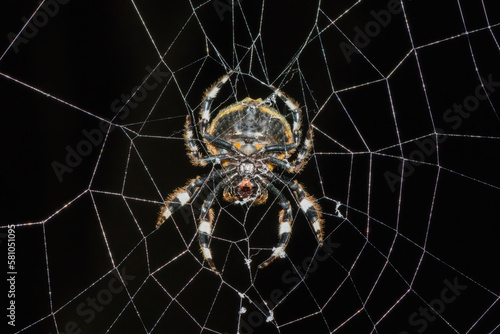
(247, 141)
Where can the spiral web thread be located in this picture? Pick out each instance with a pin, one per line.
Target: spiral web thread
(390, 168)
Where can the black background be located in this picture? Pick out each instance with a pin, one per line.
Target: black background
(443, 224)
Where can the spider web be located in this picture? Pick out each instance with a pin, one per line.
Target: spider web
(403, 99)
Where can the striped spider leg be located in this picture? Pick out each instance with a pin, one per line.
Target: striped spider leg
(309, 206)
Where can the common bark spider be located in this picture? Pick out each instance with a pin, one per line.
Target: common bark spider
(246, 142)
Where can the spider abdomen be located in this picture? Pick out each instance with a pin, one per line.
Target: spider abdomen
(251, 124)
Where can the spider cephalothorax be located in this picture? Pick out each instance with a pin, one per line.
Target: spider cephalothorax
(246, 141)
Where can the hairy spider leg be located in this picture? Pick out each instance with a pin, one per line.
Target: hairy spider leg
(208, 98)
(296, 113)
(206, 103)
(310, 207)
(204, 235)
(303, 153)
(219, 142)
(178, 198)
(206, 217)
(192, 148)
(285, 229)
